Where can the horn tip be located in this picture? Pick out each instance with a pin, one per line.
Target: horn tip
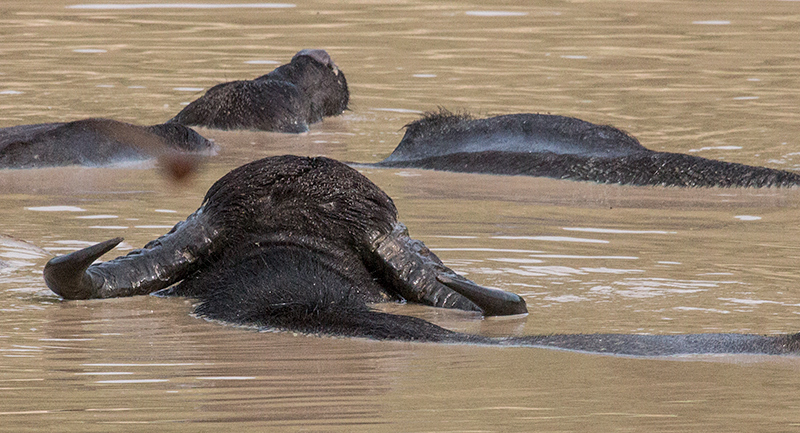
(66, 275)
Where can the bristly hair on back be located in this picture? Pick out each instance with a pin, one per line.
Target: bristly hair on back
(439, 120)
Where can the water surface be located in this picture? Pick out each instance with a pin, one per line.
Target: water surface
(715, 79)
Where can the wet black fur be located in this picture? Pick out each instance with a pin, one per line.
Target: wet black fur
(288, 243)
(93, 142)
(288, 99)
(610, 156)
(305, 270)
(299, 289)
(305, 264)
(327, 93)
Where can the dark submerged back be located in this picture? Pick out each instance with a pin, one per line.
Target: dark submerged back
(562, 148)
(94, 142)
(445, 133)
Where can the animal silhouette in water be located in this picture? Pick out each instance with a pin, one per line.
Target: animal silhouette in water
(307, 244)
(288, 99)
(95, 142)
(562, 148)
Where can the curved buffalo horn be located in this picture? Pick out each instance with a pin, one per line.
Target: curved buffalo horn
(66, 275)
(493, 302)
(159, 264)
(416, 274)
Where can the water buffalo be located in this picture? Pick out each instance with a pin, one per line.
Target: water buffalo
(94, 142)
(562, 148)
(288, 99)
(306, 244)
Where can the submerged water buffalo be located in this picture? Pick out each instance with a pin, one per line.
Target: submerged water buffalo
(306, 244)
(288, 99)
(94, 142)
(562, 148)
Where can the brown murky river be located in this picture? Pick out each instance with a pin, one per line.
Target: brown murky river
(719, 79)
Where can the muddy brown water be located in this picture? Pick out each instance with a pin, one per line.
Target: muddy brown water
(719, 79)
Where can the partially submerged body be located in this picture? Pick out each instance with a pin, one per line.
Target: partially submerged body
(94, 142)
(288, 99)
(562, 148)
(306, 244)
